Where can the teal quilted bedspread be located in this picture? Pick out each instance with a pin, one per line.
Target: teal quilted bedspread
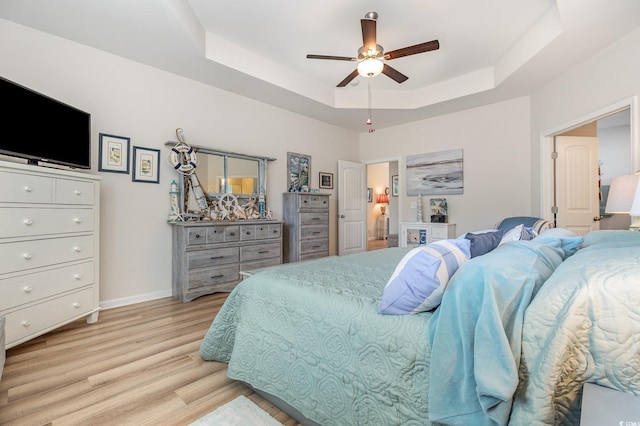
(310, 334)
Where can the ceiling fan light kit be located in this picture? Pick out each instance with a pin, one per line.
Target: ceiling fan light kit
(370, 67)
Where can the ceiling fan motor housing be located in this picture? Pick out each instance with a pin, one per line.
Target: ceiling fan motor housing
(370, 53)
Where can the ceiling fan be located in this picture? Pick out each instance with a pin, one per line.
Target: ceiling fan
(371, 54)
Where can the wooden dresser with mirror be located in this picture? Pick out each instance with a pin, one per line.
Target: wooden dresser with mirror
(208, 252)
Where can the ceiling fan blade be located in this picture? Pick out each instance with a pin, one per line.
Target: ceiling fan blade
(335, 58)
(394, 74)
(347, 80)
(368, 34)
(412, 50)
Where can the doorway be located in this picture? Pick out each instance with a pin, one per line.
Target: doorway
(382, 217)
(613, 132)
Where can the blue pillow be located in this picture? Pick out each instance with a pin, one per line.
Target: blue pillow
(484, 242)
(419, 280)
(561, 238)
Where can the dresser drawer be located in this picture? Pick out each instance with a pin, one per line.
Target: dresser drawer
(221, 234)
(213, 276)
(74, 192)
(261, 263)
(24, 188)
(34, 319)
(314, 231)
(207, 258)
(23, 255)
(314, 218)
(21, 222)
(313, 255)
(310, 201)
(309, 246)
(438, 233)
(260, 251)
(16, 291)
(247, 232)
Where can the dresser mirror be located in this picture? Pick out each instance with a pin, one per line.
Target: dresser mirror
(222, 172)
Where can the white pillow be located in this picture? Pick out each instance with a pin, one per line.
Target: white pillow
(419, 280)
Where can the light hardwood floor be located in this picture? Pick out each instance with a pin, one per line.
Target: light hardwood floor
(138, 365)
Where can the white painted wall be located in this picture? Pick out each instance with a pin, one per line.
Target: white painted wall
(606, 79)
(129, 99)
(496, 145)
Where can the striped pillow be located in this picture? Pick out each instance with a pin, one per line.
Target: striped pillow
(419, 280)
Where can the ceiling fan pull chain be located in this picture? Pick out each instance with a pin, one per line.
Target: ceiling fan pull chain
(369, 122)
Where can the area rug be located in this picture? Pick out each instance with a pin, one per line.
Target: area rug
(239, 412)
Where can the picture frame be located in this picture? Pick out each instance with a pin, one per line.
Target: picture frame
(113, 153)
(146, 165)
(298, 172)
(369, 195)
(435, 173)
(325, 180)
(394, 186)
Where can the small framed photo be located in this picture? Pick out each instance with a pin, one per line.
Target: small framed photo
(369, 195)
(394, 185)
(113, 154)
(326, 180)
(146, 165)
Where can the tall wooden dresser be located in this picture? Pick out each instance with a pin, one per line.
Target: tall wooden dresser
(208, 256)
(49, 243)
(306, 226)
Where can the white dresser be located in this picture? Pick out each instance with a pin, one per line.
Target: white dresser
(49, 242)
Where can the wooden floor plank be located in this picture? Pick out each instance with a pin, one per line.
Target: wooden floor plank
(137, 365)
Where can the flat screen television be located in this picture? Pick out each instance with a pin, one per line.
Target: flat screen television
(42, 129)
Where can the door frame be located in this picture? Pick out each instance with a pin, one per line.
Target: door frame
(547, 146)
(401, 166)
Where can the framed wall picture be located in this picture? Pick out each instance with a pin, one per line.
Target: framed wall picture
(394, 185)
(298, 172)
(435, 173)
(113, 154)
(146, 165)
(326, 180)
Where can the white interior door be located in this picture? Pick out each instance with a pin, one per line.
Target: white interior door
(352, 214)
(577, 189)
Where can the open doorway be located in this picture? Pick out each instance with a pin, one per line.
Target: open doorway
(613, 132)
(382, 206)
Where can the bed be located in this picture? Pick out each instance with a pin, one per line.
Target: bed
(515, 334)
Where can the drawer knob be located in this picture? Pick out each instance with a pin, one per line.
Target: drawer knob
(25, 323)
(28, 188)
(77, 219)
(197, 235)
(77, 192)
(27, 289)
(28, 222)
(27, 256)
(77, 249)
(77, 277)
(76, 305)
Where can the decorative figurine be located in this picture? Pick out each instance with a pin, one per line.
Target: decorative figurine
(174, 211)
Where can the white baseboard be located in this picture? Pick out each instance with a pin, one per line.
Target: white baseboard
(115, 303)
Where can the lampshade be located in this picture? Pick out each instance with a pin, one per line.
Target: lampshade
(370, 67)
(624, 196)
(383, 199)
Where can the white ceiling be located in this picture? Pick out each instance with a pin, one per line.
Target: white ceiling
(490, 50)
